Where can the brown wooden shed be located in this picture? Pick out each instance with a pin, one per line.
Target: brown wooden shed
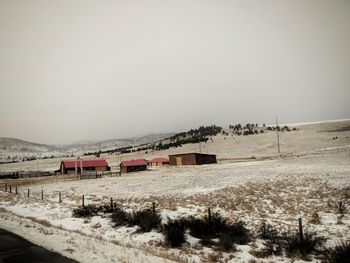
(192, 159)
(133, 166)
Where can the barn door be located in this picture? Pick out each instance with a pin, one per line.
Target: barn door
(178, 160)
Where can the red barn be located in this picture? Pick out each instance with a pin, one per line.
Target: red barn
(133, 166)
(158, 161)
(72, 166)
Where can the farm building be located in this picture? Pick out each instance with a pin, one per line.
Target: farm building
(191, 159)
(72, 166)
(133, 166)
(158, 161)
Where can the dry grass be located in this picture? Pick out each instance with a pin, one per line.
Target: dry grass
(315, 218)
(42, 222)
(281, 201)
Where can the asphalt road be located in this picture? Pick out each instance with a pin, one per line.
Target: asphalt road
(15, 249)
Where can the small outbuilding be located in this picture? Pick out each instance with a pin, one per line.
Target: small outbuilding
(75, 166)
(158, 161)
(192, 159)
(133, 166)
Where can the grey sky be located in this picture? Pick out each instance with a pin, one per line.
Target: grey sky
(77, 70)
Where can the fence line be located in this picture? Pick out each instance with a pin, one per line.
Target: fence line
(26, 192)
(38, 174)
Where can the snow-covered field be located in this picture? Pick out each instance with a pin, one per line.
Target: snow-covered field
(311, 176)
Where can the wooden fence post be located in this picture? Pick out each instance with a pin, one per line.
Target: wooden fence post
(59, 197)
(42, 194)
(16, 190)
(83, 201)
(5, 187)
(209, 215)
(341, 207)
(301, 234)
(10, 189)
(154, 208)
(28, 193)
(112, 204)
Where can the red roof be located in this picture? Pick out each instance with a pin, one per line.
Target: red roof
(85, 163)
(137, 162)
(159, 160)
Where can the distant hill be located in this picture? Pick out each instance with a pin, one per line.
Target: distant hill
(17, 145)
(13, 150)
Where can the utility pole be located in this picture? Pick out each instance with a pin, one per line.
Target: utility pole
(119, 163)
(278, 137)
(76, 168)
(199, 141)
(81, 168)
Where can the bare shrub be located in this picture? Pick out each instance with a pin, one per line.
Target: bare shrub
(294, 245)
(146, 220)
(226, 242)
(217, 227)
(240, 233)
(174, 232)
(121, 218)
(91, 210)
(86, 211)
(338, 254)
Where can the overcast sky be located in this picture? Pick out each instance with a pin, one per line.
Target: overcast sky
(78, 70)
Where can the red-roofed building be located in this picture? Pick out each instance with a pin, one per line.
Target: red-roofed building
(158, 161)
(72, 166)
(133, 165)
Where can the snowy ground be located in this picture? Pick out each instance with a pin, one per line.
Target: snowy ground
(312, 175)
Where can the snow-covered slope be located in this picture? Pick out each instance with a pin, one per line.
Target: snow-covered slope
(12, 149)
